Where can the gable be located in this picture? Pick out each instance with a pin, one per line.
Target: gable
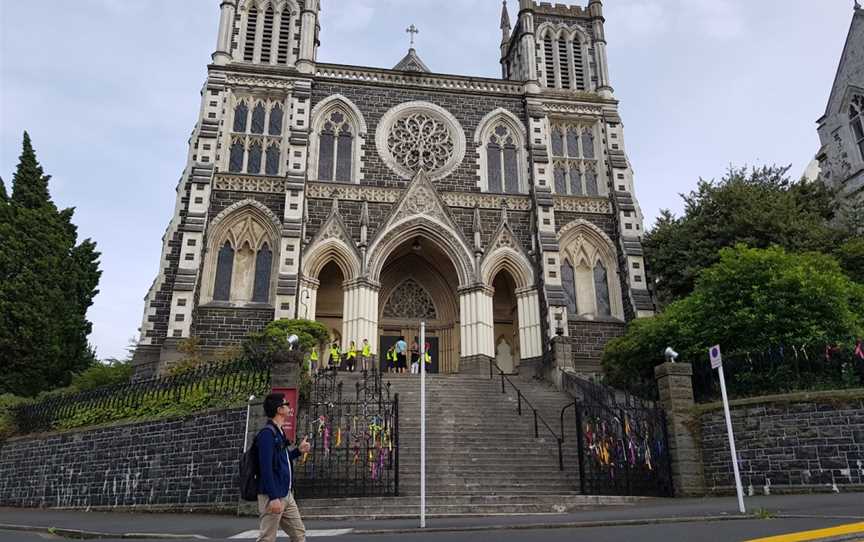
(850, 70)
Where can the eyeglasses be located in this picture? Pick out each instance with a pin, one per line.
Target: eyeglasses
(285, 404)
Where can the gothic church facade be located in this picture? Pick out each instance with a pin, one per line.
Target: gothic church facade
(499, 211)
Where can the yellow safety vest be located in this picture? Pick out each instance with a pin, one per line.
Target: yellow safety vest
(391, 355)
(314, 355)
(334, 354)
(352, 352)
(428, 357)
(367, 350)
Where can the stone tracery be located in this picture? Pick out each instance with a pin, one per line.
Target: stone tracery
(410, 301)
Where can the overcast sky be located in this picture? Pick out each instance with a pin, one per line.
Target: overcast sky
(109, 91)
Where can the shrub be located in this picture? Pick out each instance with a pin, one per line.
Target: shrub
(102, 374)
(273, 339)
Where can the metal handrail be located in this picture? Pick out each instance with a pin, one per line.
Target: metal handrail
(537, 417)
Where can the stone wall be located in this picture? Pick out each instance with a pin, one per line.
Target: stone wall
(787, 445)
(177, 463)
(219, 327)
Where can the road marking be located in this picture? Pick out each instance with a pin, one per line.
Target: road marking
(309, 534)
(803, 536)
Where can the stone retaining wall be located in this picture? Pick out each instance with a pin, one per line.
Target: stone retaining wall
(172, 463)
(787, 445)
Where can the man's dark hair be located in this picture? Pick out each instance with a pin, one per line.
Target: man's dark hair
(272, 403)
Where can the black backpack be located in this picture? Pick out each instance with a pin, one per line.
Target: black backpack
(250, 470)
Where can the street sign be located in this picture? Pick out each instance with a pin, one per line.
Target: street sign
(716, 358)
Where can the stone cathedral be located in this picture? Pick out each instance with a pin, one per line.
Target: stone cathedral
(499, 211)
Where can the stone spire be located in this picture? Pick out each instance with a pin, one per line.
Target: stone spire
(505, 21)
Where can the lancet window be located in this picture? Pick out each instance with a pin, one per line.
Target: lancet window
(574, 159)
(256, 140)
(266, 32)
(589, 275)
(856, 119)
(563, 58)
(501, 148)
(244, 262)
(335, 143)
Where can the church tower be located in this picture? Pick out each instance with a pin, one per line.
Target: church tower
(500, 211)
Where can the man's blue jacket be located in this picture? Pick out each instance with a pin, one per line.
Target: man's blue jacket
(276, 463)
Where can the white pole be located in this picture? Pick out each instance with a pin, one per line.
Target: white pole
(246, 436)
(738, 487)
(422, 425)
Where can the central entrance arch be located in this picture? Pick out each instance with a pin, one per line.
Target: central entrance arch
(419, 283)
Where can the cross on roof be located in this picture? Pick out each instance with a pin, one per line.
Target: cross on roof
(412, 30)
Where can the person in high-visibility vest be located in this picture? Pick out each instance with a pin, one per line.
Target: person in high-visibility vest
(366, 356)
(335, 356)
(313, 359)
(392, 358)
(351, 357)
(427, 356)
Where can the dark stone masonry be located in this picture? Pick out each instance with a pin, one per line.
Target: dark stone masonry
(787, 447)
(175, 462)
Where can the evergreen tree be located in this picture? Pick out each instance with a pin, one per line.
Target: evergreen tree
(47, 282)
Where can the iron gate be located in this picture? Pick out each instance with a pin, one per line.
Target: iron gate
(355, 440)
(623, 443)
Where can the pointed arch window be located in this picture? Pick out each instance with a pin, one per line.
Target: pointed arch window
(272, 162)
(568, 281)
(251, 33)
(549, 61)
(601, 288)
(258, 115)
(591, 187)
(284, 37)
(267, 35)
(240, 114)
(575, 181)
(560, 180)
(856, 119)
(224, 271)
(563, 58)
(276, 115)
(502, 160)
(254, 163)
(572, 142)
(588, 144)
(336, 148)
(263, 270)
(564, 63)
(235, 161)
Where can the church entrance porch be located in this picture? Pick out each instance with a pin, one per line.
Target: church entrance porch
(418, 283)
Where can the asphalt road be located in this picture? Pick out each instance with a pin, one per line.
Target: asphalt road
(715, 531)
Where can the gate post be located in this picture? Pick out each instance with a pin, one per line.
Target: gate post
(675, 385)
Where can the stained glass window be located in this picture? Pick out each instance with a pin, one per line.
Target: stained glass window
(511, 169)
(276, 120)
(557, 143)
(263, 269)
(326, 153)
(343, 154)
(254, 163)
(493, 158)
(568, 281)
(591, 183)
(272, 164)
(224, 271)
(575, 181)
(572, 143)
(588, 144)
(601, 287)
(560, 180)
(258, 115)
(240, 114)
(235, 162)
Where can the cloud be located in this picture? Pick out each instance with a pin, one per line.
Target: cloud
(719, 19)
(354, 16)
(638, 19)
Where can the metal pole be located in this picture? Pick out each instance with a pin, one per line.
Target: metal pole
(738, 488)
(246, 436)
(422, 425)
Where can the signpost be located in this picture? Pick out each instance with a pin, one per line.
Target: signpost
(717, 363)
(422, 425)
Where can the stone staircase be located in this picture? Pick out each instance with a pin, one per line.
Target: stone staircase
(482, 457)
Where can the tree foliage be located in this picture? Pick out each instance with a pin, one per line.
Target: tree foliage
(759, 207)
(47, 282)
(751, 299)
(274, 337)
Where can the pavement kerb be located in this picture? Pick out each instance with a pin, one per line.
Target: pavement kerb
(94, 535)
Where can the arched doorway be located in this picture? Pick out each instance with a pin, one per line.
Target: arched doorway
(505, 311)
(330, 300)
(419, 283)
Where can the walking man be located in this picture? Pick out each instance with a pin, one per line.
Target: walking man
(401, 355)
(276, 505)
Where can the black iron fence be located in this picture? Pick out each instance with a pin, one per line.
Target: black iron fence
(781, 369)
(203, 387)
(622, 441)
(354, 436)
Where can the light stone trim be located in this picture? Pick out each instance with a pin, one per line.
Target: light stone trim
(476, 316)
(530, 331)
(249, 183)
(391, 117)
(260, 82)
(372, 194)
(579, 204)
(570, 108)
(392, 78)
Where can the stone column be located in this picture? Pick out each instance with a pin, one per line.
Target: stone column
(528, 306)
(675, 384)
(477, 331)
(308, 37)
(360, 317)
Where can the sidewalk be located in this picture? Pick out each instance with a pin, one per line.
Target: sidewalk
(841, 506)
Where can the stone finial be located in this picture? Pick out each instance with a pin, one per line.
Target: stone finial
(504, 217)
(364, 223)
(334, 209)
(505, 17)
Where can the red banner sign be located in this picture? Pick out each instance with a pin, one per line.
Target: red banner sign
(290, 427)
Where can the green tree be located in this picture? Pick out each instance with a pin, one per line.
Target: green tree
(851, 256)
(759, 207)
(47, 282)
(750, 300)
(273, 338)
